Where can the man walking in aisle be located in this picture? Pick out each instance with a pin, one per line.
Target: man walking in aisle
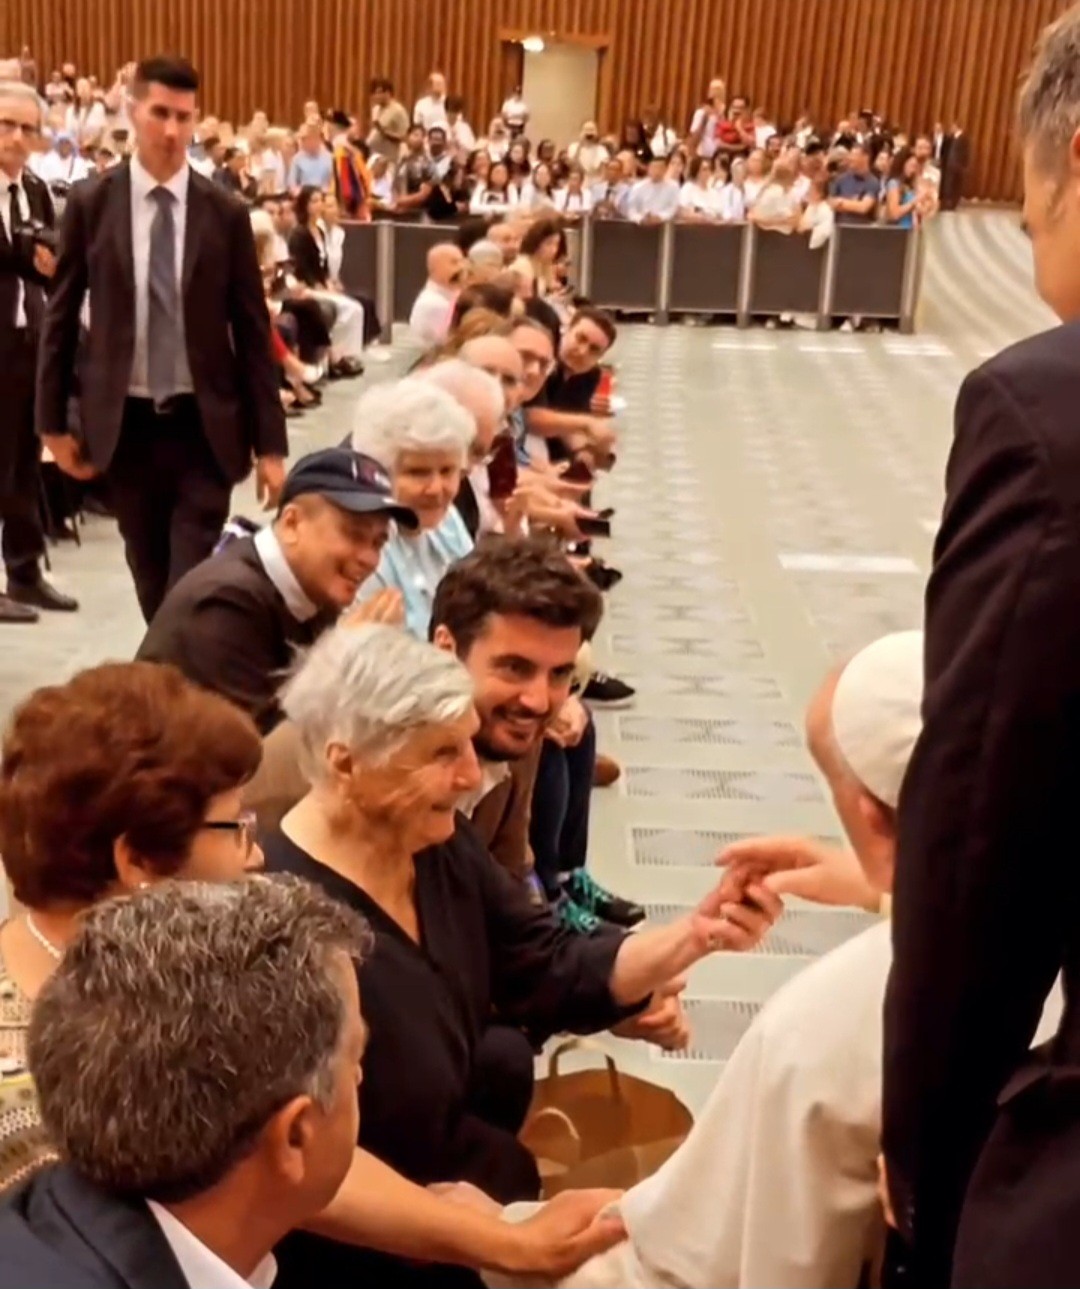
(178, 393)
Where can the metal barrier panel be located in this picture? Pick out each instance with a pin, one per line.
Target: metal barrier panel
(870, 264)
(359, 266)
(411, 245)
(705, 267)
(625, 265)
(786, 275)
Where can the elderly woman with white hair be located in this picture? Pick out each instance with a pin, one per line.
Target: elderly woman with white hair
(424, 439)
(386, 725)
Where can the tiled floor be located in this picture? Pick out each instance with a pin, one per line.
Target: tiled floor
(777, 495)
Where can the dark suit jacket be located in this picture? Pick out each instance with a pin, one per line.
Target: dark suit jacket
(955, 152)
(13, 266)
(225, 626)
(309, 261)
(61, 1231)
(987, 894)
(227, 327)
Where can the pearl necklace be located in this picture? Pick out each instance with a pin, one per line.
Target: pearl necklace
(42, 939)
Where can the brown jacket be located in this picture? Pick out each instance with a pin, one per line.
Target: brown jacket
(502, 817)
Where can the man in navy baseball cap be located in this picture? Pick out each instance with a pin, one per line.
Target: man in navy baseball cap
(235, 622)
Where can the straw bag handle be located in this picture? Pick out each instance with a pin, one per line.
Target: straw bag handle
(586, 1045)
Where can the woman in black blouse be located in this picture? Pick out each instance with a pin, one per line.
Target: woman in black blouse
(307, 251)
(386, 724)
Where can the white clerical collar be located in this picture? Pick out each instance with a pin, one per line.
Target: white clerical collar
(201, 1267)
(268, 549)
(143, 182)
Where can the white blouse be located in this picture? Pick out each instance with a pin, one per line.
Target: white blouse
(730, 203)
(572, 202)
(484, 200)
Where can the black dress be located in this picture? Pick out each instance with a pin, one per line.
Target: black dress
(426, 1101)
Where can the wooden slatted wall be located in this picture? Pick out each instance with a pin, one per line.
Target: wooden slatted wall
(914, 60)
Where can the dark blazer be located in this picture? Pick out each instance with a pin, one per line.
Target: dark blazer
(987, 896)
(308, 257)
(225, 626)
(13, 266)
(62, 1231)
(226, 324)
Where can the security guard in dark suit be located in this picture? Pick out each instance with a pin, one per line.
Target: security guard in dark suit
(26, 264)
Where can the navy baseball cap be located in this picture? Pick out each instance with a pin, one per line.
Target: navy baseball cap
(349, 480)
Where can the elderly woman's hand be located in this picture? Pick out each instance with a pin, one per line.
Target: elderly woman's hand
(663, 1022)
(720, 923)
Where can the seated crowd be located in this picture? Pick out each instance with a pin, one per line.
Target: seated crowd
(303, 889)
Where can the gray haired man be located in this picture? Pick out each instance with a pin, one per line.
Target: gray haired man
(196, 1056)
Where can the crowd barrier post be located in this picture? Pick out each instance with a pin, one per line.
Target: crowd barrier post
(585, 256)
(828, 283)
(384, 277)
(914, 261)
(746, 275)
(663, 273)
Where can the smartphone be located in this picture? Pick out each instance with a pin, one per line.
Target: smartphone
(594, 527)
(502, 469)
(578, 472)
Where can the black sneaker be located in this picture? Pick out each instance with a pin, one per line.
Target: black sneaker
(603, 576)
(608, 691)
(586, 893)
(575, 917)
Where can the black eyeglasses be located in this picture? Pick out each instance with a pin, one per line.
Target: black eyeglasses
(244, 827)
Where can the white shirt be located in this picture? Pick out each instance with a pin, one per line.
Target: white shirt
(270, 164)
(334, 241)
(201, 1268)
(203, 166)
(693, 197)
(752, 189)
(775, 204)
(591, 157)
(143, 209)
(649, 198)
(664, 141)
(570, 202)
(5, 215)
(461, 135)
(483, 201)
(431, 313)
(704, 120)
(730, 203)
(763, 133)
(430, 111)
(51, 167)
(277, 569)
(84, 122)
(515, 112)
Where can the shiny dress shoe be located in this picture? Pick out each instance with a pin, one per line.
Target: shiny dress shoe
(606, 771)
(12, 612)
(41, 595)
